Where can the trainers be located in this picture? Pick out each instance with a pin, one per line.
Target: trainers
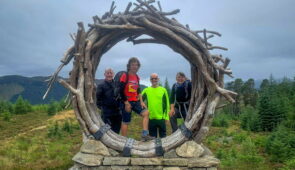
(147, 138)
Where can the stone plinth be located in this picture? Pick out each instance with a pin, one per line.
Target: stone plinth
(190, 155)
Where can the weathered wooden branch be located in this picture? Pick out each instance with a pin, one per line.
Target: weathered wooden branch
(212, 32)
(217, 47)
(126, 26)
(145, 19)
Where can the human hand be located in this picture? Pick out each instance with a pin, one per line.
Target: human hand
(143, 105)
(171, 113)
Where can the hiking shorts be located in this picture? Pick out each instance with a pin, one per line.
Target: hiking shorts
(135, 106)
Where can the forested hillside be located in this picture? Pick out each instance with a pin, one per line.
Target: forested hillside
(30, 88)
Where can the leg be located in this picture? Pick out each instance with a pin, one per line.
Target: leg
(126, 118)
(173, 122)
(162, 128)
(124, 129)
(145, 120)
(116, 123)
(152, 128)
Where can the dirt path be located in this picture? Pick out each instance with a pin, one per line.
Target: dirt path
(68, 114)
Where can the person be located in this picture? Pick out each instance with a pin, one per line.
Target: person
(180, 98)
(158, 106)
(132, 99)
(107, 103)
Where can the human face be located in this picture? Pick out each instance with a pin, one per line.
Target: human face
(154, 80)
(133, 67)
(180, 79)
(109, 75)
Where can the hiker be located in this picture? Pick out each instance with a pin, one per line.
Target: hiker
(158, 106)
(131, 99)
(180, 98)
(107, 103)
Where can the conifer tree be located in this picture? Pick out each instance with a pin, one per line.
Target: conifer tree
(249, 93)
(167, 87)
(20, 106)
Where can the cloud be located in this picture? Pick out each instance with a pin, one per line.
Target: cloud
(260, 35)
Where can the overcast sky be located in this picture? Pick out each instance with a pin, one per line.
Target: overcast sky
(260, 36)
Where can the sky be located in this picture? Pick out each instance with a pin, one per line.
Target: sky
(260, 36)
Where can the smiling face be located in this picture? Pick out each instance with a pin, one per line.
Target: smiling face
(134, 66)
(154, 79)
(180, 78)
(109, 74)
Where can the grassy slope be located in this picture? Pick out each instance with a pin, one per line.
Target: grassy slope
(29, 147)
(26, 145)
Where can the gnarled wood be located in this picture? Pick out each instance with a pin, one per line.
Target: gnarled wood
(145, 19)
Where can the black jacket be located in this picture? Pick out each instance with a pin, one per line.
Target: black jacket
(181, 92)
(105, 98)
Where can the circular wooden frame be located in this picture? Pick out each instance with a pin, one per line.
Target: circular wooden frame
(145, 19)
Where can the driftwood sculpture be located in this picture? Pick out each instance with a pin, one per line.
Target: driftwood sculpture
(207, 71)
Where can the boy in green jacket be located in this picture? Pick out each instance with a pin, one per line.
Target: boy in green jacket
(158, 105)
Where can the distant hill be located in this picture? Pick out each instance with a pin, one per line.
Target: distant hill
(32, 89)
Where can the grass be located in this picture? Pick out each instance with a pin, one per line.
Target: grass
(38, 141)
(239, 149)
(34, 149)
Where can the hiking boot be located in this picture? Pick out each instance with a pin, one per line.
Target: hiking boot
(147, 138)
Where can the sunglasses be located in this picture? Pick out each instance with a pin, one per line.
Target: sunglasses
(154, 78)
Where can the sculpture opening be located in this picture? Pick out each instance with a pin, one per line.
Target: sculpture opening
(207, 72)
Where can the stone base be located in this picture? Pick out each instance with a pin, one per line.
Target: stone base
(188, 156)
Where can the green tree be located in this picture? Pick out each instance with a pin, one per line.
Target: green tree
(272, 109)
(250, 119)
(236, 86)
(53, 108)
(264, 85)
(167, 87)
(20, 106)
(249, 93)
(28, 106)
(6, 106)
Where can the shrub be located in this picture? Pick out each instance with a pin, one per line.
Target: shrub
(221, 120)
(53, 108)
(281, 144)
(20, 106)
(68, 127)
(289, 164)
(54, 130)
(250, 119)
(6, 106)
(6, 116)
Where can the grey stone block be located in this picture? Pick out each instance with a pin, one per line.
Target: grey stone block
(175, 162)
(206, 162)
(95, 147)
(88, 159)
(190, 149)
(171, 154)
(146, 161)
(116, 161)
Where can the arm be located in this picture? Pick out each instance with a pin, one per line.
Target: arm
(123, 82)
(141, 101)
(172, 100)
(99, 94)
(167, 109)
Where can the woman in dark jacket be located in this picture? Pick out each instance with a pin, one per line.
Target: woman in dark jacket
(179, 99)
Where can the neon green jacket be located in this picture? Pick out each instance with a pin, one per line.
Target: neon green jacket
(157, 102)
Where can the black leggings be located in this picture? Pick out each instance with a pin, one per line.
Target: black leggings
(114, 121)
(155, 125)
